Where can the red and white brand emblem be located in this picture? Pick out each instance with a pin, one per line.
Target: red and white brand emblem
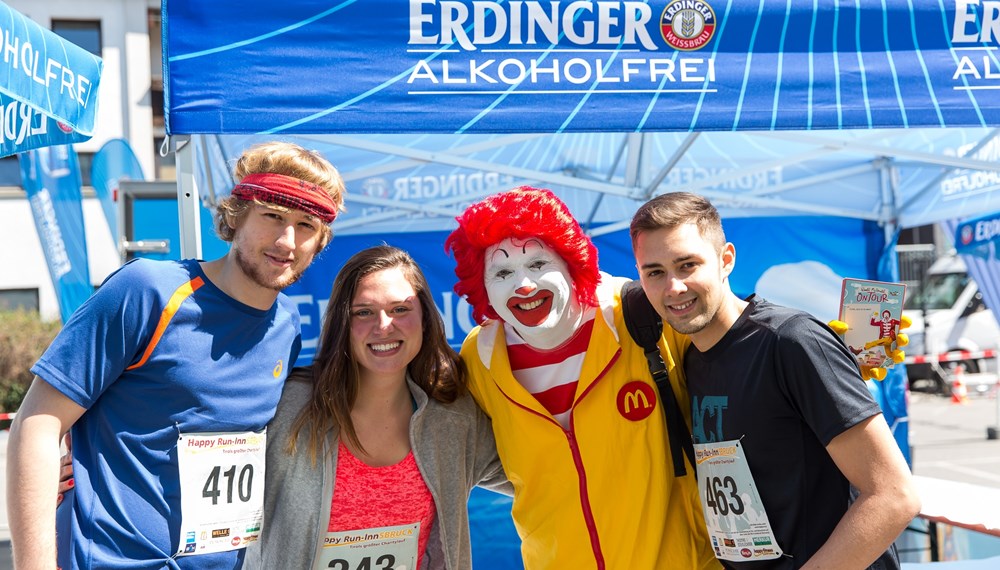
(966, 235)
(636, 400)
(236, 541)
(687, 25)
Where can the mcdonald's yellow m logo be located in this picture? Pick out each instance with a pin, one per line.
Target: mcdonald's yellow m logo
(636, 400)
(632, 400)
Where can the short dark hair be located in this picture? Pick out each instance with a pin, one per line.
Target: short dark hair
(674, 209)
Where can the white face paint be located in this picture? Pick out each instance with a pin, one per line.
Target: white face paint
(530, 287)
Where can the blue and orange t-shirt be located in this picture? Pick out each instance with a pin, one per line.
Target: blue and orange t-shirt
(157, 351)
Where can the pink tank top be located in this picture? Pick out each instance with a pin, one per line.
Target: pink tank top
(366, 497)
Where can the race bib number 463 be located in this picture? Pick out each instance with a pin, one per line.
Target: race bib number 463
(222, 491)
(734, 513)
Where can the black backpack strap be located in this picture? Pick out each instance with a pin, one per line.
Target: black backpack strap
(645, 327)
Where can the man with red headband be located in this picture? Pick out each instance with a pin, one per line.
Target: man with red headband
(575, 412)
(166, 378)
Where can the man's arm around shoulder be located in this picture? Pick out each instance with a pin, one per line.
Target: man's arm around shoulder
(869, 457)
(33, 473)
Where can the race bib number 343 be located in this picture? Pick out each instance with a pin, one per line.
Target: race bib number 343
(387, 548)
(222, 491)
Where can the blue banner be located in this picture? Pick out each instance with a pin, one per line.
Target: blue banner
(430, 66)
(979, 237)
(113, 163)
(51, 177)
(48, 86)
(798, 261)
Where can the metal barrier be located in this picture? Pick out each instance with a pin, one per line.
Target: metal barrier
(993, 380)
(952, 356)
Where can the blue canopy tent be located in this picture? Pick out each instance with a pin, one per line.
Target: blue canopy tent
(818, 129)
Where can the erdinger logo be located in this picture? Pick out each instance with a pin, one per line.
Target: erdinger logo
(636, 400)
(966, 235)
(687, 25)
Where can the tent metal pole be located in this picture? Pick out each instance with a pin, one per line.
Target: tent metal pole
(394, 166)
(840, 174)
(705, 185)
(937, 180)
(647, 192)
(722, 198)
(400, 210)
(628, 142)
(859, 147)
(188, 207)
(451, 159)
(207, 160)
(888, 215)
(635, 142)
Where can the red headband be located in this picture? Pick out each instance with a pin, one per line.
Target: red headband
(289, 192)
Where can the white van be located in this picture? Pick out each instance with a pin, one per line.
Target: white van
(948, 314)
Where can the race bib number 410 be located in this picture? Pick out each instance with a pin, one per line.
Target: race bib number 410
(222, 491)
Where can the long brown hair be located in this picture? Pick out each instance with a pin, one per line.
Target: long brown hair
(336, 378)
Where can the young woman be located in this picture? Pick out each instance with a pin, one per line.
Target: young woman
(376, 446)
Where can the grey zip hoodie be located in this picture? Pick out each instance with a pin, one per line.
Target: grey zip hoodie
(455, 451)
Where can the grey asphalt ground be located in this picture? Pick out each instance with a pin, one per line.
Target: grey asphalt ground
(948, 441)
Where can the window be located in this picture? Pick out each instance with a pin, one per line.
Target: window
(84, 33)
(10, 171)
(13, 299)
(938, 291)
(86, 163)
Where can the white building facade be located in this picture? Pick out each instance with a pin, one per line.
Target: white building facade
(126, 35)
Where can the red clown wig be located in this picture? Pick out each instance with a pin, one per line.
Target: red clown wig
(520, 213)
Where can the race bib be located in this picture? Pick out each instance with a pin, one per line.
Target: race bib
(387, 548)
(734, 513)
(222, 491)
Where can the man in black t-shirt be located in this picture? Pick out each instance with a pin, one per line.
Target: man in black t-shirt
(796, 465)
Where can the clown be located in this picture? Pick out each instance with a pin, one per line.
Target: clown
(575, 412)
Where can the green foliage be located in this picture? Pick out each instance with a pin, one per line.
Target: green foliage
(23, 338)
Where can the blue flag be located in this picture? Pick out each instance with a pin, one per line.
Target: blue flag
(979, 237)
(48, 86)
(51, 177)
(113, 163)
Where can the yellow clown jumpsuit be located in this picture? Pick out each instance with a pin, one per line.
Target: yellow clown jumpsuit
(602, 494)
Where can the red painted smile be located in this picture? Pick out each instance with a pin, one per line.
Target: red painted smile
(531, 311)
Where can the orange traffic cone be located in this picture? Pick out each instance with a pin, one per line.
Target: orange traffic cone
(959, 395)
